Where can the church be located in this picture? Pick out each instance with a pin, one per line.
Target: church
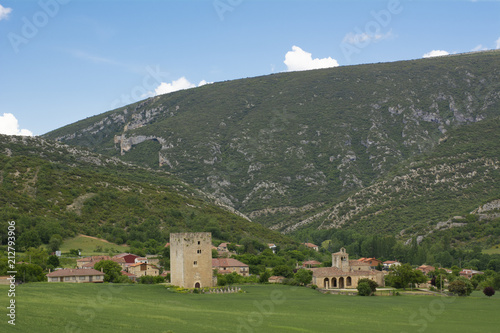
(344, 273)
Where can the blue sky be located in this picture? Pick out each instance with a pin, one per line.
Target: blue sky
(65, 60)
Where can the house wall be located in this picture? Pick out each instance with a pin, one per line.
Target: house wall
(191, 259)
(321, 283)
(76, 279)
(138, 272)
(243, 271)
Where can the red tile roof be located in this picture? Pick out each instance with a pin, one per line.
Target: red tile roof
(311, 263)
(121, 255)
(358, 263)
(75, 272)
(334, 271)
(227, 262)
(276, 278)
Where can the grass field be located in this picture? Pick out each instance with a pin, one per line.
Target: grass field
(89, 244)
(45, 307)
(492, 250)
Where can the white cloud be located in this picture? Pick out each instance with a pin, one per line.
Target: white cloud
(10, 126)
(300, 60)
(4, 12)
(179, 84)
(498, 43)
(364, 38)
(435, 53)
(480, 47)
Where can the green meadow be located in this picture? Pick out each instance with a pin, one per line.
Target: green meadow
(45, 307)
(89, 245)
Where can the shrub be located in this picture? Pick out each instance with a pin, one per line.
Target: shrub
(489, 291)
(146, 279)
(158, 279)
(364, 289)
(373, 285)
(460, 288)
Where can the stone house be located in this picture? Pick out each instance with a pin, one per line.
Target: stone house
(372, 261)
(344, 273)
(426, 269)
(469, 273)
(128, 257)
(82, 275)
(390, 263)
(311, 246)
(229, 265)
(80, 263)
(276, 279)
(311, 263)
(119, 261)
(141, 269)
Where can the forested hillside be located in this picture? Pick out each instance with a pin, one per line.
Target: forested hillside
(49, 188)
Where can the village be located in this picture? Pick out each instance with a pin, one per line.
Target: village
(196, 263)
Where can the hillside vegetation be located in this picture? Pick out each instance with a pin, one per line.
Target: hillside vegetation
(424, 193)
(49, 188)
(325, 148)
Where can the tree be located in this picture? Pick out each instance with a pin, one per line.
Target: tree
(364, 289)
(418, 277)
(233, 278)
(460, 287)
(400, 276)
(232, 247)
(489, 291)
(283, 270)
(55, 242)
(111, 269)
(373, 285)
(29, 273)
(477, 279)
(303, 277)
(53, 262)
(494, 265)
(29, 239)
(38, 256)
(264, 277)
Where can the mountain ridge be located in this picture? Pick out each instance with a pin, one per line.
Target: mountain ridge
(300, 139)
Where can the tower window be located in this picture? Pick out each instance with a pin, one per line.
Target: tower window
(195, 263)
(198, 251)
(199, 242)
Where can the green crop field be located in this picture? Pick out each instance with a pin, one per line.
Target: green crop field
(89, 245)
(44, 307)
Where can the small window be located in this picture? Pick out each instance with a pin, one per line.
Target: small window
(195, 263)
(199, 251)
(82, 277)
(66, 278)
(199, 242)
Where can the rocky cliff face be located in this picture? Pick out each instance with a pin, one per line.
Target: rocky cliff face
(284, 145)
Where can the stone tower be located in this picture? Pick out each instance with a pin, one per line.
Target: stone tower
(341, 260)
(191, 259)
